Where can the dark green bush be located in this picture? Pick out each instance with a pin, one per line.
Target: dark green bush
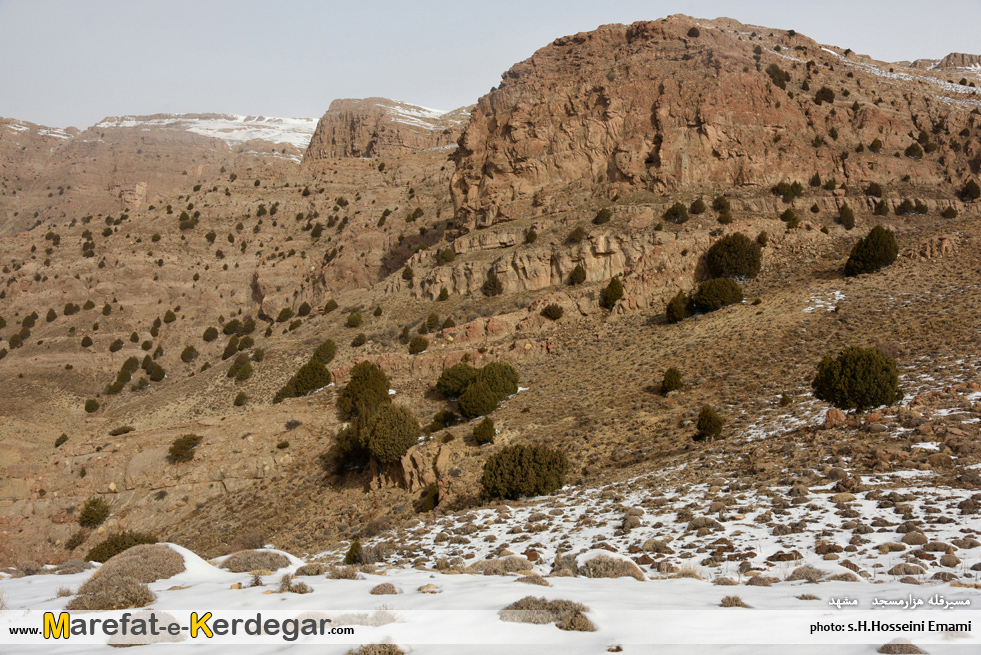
(881, 209)
(117, 543)
(354, 319)
(709, 424)
(970, 192)
(241, 360)
(672, 381)
(354, 554)
(815, 180)
(91, 406)
(949, 212)
(734, 255)
(285, 314)
(697, 207)
(492, 285)
(182, 449)
(552, 311)
(61, 440)
(500, 377)
(418, 344)
(518, 470)
(449, 323)
(914, 151)
(233, 326)
(859, 379)
(330, 306)
(611, 294)
(304, 309)
(51, 315)
(325, 352)
(169, 316)
(874, 189)
(455, 379)
(88, 305)
(721, 205)
(210, 334)
(359, 340)
(310, 377)
(189, 354)
(676, 213)
(86, 341)
(483, 432)
(106, 309)
(531, 236)
(716, 294)
(431, 498)
(602, 216)
(377, 312)
(444, 295)
(407, 273)
(779, 76)
(846, 217)
(393, 432)
(876, 250)
(578, 275)
(94, 513)
(366, 391)
(116, 346)
(578, 234)
(823, 95)
(241, 399)
(679, 308)
(788, 191)
(875, 146)
(905, 208)
(230, 348)
(477, 400)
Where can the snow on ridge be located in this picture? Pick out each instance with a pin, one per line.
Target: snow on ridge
(418, 116)
(234, 129)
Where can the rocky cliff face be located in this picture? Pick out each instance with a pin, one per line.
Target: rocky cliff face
(684, 106)
(377, 127)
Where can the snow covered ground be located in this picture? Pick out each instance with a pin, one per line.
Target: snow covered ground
(231, 128)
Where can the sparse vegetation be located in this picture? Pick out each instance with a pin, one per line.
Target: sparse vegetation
(182, 449)
(94, 513)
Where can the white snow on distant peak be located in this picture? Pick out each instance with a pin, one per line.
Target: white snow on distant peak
(231, 128)
(416, 116)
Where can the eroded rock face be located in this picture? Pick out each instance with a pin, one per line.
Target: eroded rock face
(376, 127)
(646, 107)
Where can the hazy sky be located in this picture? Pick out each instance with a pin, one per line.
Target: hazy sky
(74, 62)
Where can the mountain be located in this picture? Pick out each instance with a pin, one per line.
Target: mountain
(623, 153)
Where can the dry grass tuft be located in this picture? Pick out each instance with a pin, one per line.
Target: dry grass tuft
(501, 566)
(533, 579)
(64, 592)
(384, 589)
(576, 622)
(732, 601)
(314, 568)
(844, 577)
(808, 573)
(335, 572)
(724, 582)
(541, 611)
(125, 595)
(144, 563)
(688, 571)
(377, 649)
(900, 647)
(807, 597)
(288, 586)
(760, 581)
(73, 566)
(245, 561)
(602, 566)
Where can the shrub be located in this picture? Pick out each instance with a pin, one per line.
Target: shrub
(477, 400)
(94, 513)
(304, 309)
(449, 323)
(920, 208)
(914, 151)
(484, 432)
(734, 255)
(881, 209)
(578, 275)
(779, 76)
(519, 470)
(359, 340)
(394, 431)
(492, 285)
(716, 294)
(310, 377)
(552, 311)
(859, 379)
(91, 406)
(531, 236)
(905, 208)
(285, 314)
(694, 33)
(602, 216)
(970, 192)
(116, 346)
(876, 250)
(679, 308)
(230, 348)
(949, 212)
(243, 373)
(354, 319)
(823, 95)
(354, 554)
(189, 354)
(432, 321)
(240, 361)
(454, 380)
(377, 312)
(709, 423)
(240, 399)
(330, 306)
(210, 334)
(672, 381)
(443, 295)
(169, 316)
(407, 273)
(875, 146)
(366, 391)
(788, 191)
(51, 315)
(846, 217)
(578, 234)
(611, 294)
(418, 344)
(106, 309)
(721, 205)
(501, 378)
(676, 213)
(61, 440)
(245, 561)
(325, 352)
(86, 341)
(88, 305)
(182, 450)
(874, 189)
(117, 543)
